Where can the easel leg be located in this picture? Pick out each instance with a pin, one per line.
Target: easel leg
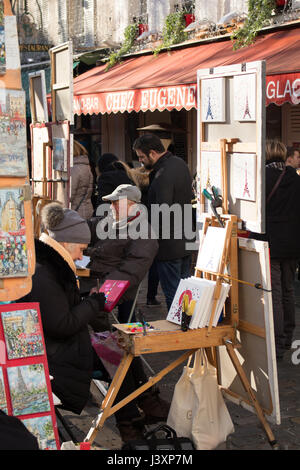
(110, 397)
(248, 389)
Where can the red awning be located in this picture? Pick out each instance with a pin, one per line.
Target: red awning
(168, 81)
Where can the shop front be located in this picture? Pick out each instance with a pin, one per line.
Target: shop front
(146, 90)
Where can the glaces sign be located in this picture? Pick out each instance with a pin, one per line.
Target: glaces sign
(283, 88)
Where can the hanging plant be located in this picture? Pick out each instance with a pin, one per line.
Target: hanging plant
(130, 35)
(173, 31)
(259, 15)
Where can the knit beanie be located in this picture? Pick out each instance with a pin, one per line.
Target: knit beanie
(65, 225)
(105, 161)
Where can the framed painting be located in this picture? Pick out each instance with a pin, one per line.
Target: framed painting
(213, 99)
(243, 170)
(245, 97)
(13, 139)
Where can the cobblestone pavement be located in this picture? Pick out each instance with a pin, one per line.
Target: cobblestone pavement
(248, 435)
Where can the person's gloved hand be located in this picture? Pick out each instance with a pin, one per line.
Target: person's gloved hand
(100, 297)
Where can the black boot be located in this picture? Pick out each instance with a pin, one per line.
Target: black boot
(155, 408)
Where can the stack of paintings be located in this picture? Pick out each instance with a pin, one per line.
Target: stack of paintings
(25, 390)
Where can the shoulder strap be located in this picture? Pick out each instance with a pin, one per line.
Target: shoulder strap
(276, 184)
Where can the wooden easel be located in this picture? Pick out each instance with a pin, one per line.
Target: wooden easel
(169, 337)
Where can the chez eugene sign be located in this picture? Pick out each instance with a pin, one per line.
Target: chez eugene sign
(279, 89)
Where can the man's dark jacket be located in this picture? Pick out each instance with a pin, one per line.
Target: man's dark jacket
(170, 183)
(65, 320)
(283, 213)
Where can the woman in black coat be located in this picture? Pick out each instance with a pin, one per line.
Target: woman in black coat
(282, 231)
(65, 317)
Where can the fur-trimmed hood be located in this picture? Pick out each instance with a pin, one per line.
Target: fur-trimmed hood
(141, 177)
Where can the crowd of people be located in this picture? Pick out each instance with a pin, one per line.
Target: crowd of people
(70, 312)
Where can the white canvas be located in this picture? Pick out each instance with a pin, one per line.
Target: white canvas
(245, 97)
(202, 308)
(243, 170)
(213, 100)
(211, 249)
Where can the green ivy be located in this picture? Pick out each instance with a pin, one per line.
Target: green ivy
(259, 14)
(173, 31)
(130, 35)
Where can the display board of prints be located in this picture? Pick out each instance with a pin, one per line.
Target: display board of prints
(231, 105)
(255, 334)
(25, 390)
(17, 253)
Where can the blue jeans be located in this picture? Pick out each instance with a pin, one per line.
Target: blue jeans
(170, 273)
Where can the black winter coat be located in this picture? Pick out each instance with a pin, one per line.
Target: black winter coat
(170, 183)
(120, 257)
(65, 320)
(112, 176)
(283, 214)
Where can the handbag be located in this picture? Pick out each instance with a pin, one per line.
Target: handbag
(198, 410)
(151, 442)
(107, 349)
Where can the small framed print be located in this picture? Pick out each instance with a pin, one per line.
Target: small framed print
(245, 97)
(213, 100)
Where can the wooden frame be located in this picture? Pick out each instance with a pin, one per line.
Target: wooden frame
(235, 137)
(61, 58)
(38, 100)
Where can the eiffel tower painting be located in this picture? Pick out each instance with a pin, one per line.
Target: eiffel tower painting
(247, 112)
(246, 191)
(209, 110)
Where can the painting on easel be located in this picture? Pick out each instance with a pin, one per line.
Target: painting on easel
(243, 171)
(60, 154)
(213, 100)
(13, 146)
(245, 97)
(13, 251)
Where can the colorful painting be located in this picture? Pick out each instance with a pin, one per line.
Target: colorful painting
(2, 40)
(13, 140)
(3, 403)
(22, 333)
(60, 154)
(42, 429)
(13, 250)
(243, 176)
(28, 389)
(244, 97)
(213, 100)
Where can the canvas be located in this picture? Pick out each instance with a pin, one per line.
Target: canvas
(243, 170)
(13, 146)
(213, 99)
(211, 249)
(13, 250)
(245, 97)
(25, 389)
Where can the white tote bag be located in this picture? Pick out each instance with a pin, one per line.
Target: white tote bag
(198, 410)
